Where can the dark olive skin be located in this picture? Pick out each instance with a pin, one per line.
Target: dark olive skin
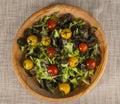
(21, 41)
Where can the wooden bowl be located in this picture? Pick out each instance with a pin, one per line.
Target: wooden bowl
(29, 83)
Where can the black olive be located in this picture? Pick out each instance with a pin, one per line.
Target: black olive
(21, 41)
(28, 32)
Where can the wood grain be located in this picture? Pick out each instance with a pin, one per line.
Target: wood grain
(29, 83)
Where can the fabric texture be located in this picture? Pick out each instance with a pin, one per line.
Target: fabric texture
(14, 12)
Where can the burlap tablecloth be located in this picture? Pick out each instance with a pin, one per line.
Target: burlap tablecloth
(14, 12)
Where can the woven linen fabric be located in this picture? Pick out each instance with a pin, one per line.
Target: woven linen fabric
(14, 12)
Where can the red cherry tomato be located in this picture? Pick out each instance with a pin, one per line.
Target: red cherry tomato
(51, 51)
(83, 47)
(53, 70)
(51, 24)
(90, 64)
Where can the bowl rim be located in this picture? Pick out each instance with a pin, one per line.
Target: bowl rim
(70, 97)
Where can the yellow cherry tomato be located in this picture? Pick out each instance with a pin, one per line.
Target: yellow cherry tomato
(46, 40)
(66, 33)
(32, 40)
(73, 61)
(28, 64)
(65, 87)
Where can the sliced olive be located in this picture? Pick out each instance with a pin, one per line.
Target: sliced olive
(21, 41)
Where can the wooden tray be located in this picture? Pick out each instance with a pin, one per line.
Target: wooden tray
(29, 83)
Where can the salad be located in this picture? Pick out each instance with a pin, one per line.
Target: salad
(61, 52)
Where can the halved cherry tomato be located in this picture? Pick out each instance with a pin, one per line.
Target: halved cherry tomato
(53, 70)
(46, 40)
(51, 24)
(28, 64)
(51, 51)
(83, 47)
(90, 64)
(66, 33)
(73, 61)
(65, 87)
(32, 40)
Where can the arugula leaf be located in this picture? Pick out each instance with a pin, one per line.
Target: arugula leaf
(74, 53)
(82, 59)
(54, 16)
(91, 72)
(69, 47)
(75, 32)
(65, 74)
(83, 79)
(29, 51)
(64, 65)
(77, 22)
(46, 18)
(44, 31)
(96, 50)
(37, 62)
(47, 57)
(55, 33)
(24, 48)
(74, 82)
(78, 71)
(72, 73)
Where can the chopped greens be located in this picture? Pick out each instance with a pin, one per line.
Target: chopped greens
(61, 60)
